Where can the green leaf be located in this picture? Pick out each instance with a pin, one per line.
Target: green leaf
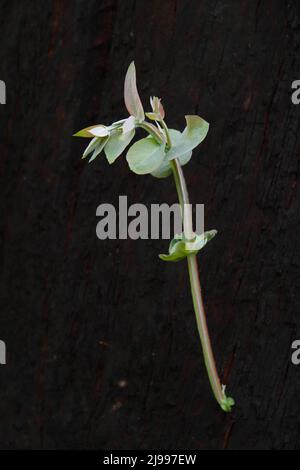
(194, 133)
(117, 124)
(145, 156)
(165, 169)
(201, 240)
(117, 143)
(128, 124)
(100, 131)
(92, 145)
(131, 96)
(180, 249)
(97, 129)
(177, 250)
(98, 149)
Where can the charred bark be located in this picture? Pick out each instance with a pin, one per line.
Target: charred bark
(102, 346)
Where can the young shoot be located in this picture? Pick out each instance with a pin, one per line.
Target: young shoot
(163, 152)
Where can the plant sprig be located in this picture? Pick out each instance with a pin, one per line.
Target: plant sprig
(163, 152)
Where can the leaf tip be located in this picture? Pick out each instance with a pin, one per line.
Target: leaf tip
(131, 97)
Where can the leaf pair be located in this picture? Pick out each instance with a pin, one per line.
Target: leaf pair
(134, 107)
(179, 248)
(116, 137)
(149, 156)
(113, 145)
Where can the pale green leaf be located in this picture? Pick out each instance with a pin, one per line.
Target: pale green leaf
(194, 133)
(117, 124)
(180, 249)
(117, 143)
(201, 240)
(177, 251)
(131, 96)
(128, 124)
(99, 131)
(92, 145)
(98, 149)
(85, 132)
(145, 156)
(165, 169)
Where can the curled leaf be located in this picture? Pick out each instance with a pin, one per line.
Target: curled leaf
(180, 249)
(177, 250)
(131, 97)
(195, 132)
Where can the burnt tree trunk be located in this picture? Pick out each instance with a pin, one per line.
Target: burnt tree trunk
(102, 347)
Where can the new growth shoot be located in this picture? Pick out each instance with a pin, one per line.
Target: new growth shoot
(163, 153)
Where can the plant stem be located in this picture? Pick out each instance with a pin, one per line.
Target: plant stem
(196, 289)
(217, 388)
(152, 130)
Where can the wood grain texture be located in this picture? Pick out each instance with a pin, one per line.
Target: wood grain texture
(101, 338)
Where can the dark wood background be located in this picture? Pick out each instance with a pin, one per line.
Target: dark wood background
(102, 347)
